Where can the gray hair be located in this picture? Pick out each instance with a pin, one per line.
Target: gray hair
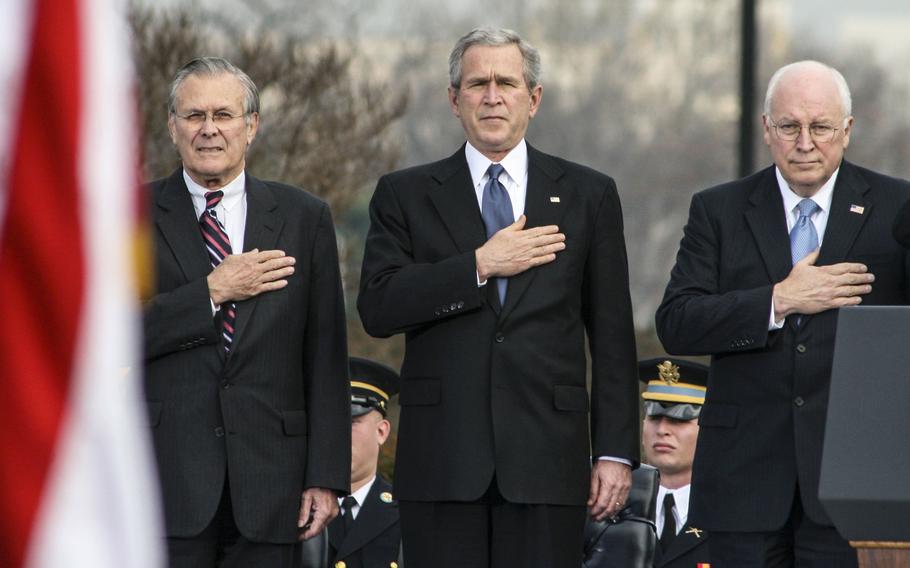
(211, 66)
(495, 37)
(839, 82)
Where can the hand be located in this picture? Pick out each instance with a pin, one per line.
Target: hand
(515, 249)
(810, 289)
(318, 506)
(610, 485)
(242, 276)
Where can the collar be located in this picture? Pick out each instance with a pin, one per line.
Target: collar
(515, 163)
(680, 498)
(233, 191)
(361, 494)
(822, 197)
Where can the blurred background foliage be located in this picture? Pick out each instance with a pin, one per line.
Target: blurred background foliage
(644, 90)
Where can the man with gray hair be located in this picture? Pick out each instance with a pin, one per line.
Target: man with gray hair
(245, 352)
(496, 263)
(764, 264)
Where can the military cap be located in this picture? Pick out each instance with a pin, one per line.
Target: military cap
(675, 387)
(372, 385)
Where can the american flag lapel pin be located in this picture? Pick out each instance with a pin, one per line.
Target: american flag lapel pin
(858, 209)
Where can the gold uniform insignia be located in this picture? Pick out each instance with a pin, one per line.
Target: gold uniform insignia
(695, 531)
(385, 497)
(669, 373)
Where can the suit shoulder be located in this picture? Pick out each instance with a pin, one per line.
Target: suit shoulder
(878, 180)
(293, 196)
(554, 165)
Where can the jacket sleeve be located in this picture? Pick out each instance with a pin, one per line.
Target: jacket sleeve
(325, 367)
(697, 316)
(607, 309)
(397, 292)
(178, 320)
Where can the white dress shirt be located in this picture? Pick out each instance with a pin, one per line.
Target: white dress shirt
(231, 211)
(680, 511)
(361, 496)
(822, 198)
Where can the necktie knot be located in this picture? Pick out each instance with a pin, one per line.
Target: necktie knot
(495, 170)
(213, 198)
(807, 207)
(348, 503)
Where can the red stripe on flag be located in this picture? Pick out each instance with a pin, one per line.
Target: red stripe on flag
(41, 269)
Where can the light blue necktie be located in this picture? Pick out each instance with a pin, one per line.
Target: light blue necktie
(803, 237)
(496, 210)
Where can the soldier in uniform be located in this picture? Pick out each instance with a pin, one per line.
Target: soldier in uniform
(673, 399)
(367, 533)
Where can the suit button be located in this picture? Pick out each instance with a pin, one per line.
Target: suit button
(225, 385)
(500, 338)
(798, 401)
(800, 348)
(445, 309)
(340, 564)
(453, 306)
(438, 313)
(393, 565)
(460, 305)
(219, 431)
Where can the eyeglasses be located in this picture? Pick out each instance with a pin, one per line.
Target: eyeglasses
(220, 118)
(819, 132)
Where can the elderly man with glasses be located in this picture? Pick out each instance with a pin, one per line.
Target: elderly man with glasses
(764, 264)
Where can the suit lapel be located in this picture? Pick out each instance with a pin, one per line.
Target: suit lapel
(849, 210)
(687, 539)
(546, 201)
(180, 228)
(456, 202)
(768, 223)
(263, 225)
(374, 517)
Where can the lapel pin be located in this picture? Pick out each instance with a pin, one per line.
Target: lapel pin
(554, 199)
(858, 209)
(385, 497)
(695, 531)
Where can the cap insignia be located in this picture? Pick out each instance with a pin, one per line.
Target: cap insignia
(669, 373)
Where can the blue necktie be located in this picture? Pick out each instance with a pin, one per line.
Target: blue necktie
(803, 237)
(496, 210)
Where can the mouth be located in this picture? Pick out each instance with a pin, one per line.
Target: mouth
(662, 448)
(209, 149)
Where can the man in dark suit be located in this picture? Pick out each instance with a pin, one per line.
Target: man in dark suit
(673, 400)
(764, 306)
(495, 263)
(245, 354)
(367, 534)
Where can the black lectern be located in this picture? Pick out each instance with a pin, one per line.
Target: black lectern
(865, 475)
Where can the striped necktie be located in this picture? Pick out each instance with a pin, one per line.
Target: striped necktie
(219, 246)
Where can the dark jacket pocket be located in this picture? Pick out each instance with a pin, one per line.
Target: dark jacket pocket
(154, 410)
(718, 416)
(571, 398)
(419, 392)
(294, 422)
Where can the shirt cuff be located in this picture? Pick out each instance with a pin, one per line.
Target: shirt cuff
(614, 459)
(772, 324)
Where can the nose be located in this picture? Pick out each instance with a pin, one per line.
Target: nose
(804, 141)
(208, 125)
(491, 94)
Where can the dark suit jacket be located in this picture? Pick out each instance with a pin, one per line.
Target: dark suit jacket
(375, 533)
(763, 421)
(689, 548)
(274, 416)
(486, 389)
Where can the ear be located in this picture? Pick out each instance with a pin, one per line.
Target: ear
(172, 128)
(252, 128)
(383, 429)
(536, 96)
(848, 128)
(453, 101)
(766, 124)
